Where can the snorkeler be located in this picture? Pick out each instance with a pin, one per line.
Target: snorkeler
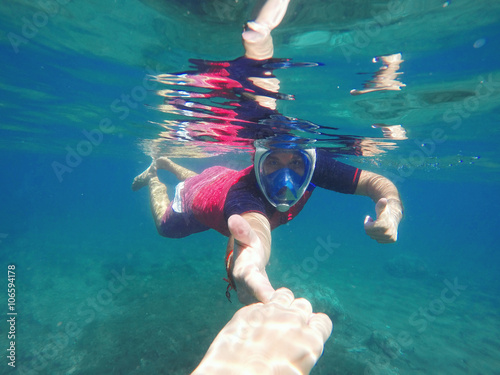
(246, 205)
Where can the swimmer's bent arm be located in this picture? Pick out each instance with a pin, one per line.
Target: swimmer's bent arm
(388, 206)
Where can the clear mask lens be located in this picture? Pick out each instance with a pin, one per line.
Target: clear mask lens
(284, 175)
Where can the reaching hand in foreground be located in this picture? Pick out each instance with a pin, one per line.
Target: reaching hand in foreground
(385, 228)
(282, 336)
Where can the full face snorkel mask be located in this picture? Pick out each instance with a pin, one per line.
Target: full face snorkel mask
(284, 171)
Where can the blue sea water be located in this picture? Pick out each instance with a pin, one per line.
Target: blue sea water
(98, 291)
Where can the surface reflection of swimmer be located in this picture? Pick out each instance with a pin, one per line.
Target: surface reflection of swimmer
(237, 102)
(246, 205)
(237, 106)
(386, 78)
(250, 91)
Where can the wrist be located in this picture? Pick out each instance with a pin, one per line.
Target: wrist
(396, 208)
(258, 28)
(207, 368)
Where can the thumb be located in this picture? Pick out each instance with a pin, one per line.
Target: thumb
(241, 230)
(380, 206)
(368, 222)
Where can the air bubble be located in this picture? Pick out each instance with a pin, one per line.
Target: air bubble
(479, 43)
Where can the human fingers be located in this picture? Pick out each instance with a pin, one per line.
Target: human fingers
(382, 230)
(380, 206)
(304, 306)
(321, 323)
(368, 222)
(241, 230)
(259, 287)
(385, 237)
(388, 238)
(372, 227)
(382, 236)
(283, 297)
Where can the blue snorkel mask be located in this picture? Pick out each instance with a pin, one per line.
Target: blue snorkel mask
(284, 171)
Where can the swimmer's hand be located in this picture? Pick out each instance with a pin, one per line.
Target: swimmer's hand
(385, 228)
(282, 336)
(250, 258)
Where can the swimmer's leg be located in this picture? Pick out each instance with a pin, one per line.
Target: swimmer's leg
(164, 163)
(180, 172)
(158, 198)
(257, 38)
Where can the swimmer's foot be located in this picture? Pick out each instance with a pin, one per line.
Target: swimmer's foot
(164, 163)
(180, 172)
(143, 179)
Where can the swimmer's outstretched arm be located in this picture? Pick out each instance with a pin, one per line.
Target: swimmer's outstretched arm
(257, 38)
(388, 206)
(251, 241)
(282, 336)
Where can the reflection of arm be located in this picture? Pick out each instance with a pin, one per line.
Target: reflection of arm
(257, 38)
(386, 78)
(270, 84)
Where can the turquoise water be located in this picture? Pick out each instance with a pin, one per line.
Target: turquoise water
(99, 292)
